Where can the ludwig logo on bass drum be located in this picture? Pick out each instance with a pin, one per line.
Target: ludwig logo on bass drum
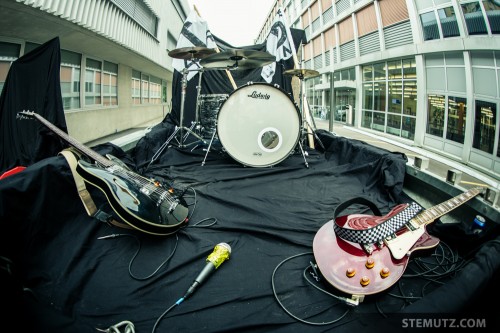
(259, 95)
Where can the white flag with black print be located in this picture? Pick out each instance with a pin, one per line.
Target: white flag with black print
(278, 44)
(195, 33)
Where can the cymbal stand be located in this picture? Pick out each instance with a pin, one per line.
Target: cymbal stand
(180, 129)
(304, 118)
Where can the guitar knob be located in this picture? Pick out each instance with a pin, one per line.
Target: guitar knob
(384, 272)
(370, 263)
(365, 280)
(350, 272)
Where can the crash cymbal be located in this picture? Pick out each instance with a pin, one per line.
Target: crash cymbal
(238, 59)
(301, 72)
(191, 52)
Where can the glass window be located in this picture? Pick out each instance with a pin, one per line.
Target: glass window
(492, 9)
(367, 73)
(435, 116)
(379, 71)
(448, 20)
(394, 70)
(395, 96)
(352, 74)
(409, 69)
(9, 52)
(379, 91)
(368, 93)
(366, 121)
(155, 90)
(136, 87)
(378, 121)
(144, 88)
(110, 84)
(70, 79)
(336, 76)
(394, 124)
(410, 98)
(93, 80)
(457, 112)
(474, 18)
(485, 120)
(408, 129)
(429, 26)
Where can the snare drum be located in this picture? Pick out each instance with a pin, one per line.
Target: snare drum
(208, 108)
(259, 125)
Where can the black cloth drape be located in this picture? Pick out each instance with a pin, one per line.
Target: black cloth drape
(32, 84)
(63, 278)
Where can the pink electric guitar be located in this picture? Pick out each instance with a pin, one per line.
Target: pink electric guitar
(363, 270)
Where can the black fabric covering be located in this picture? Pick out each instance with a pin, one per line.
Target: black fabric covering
(75, 282)
(32, 84)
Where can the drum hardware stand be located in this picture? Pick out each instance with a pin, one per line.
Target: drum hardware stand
(301, 74)
(208, 149)
(181, 127)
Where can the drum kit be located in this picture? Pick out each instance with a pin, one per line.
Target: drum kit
(258, 124)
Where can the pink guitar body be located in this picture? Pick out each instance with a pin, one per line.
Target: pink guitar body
(350, 269)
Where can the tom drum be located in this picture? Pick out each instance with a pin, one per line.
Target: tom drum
(259, 125)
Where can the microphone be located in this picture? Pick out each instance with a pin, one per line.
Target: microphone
(220, 253)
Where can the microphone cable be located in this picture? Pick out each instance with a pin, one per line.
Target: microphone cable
(343, 299)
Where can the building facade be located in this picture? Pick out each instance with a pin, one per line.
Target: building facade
(115, 70)
(423, 72)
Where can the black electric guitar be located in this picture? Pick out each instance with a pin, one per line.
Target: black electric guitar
(353, 269)
(140, 202)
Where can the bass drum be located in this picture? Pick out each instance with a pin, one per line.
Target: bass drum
(259, 125)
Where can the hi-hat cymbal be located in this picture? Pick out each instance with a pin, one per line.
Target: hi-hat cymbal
(238, 59)
(191, 52)
(301, 72)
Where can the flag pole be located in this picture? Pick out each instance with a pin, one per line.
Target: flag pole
(228, 73)
(303, 100)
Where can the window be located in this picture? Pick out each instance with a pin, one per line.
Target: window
(110, 84)
(70, 79)
(93, 82)
(435, 116)
(390, 97)
(457, 112)
(148, 89)
(430, 26)
(136, 87)
(474, 18)
(485, 120)
(448, 22)
(492, 9)
(9, 52)
(448, 25)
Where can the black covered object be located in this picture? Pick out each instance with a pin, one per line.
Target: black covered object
(75, 282)
(32, 84)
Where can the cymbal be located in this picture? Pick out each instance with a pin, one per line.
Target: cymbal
(239, 59)
(301, 72)
(191, 52)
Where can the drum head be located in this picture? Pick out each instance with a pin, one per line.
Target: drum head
(258, 125)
